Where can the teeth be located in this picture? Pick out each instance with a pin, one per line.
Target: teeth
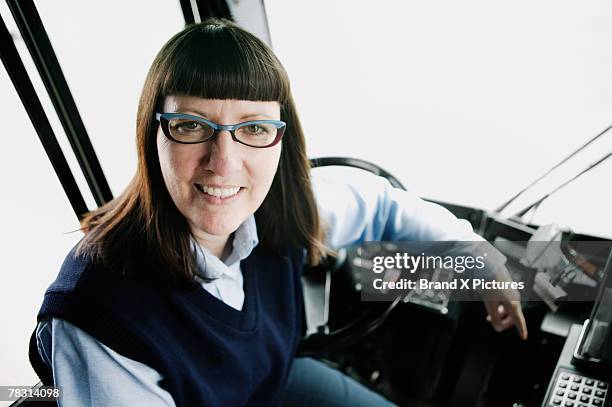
(220, 192)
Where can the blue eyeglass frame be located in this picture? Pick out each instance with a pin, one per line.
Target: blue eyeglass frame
(164, 120)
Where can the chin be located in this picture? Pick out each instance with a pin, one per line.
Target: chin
(219, 228)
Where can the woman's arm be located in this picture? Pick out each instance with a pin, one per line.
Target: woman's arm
(89, 373)
(367, 207)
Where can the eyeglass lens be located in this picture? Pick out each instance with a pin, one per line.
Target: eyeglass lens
(192, 131)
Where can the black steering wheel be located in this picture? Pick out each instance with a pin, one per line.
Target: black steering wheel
(336, 318)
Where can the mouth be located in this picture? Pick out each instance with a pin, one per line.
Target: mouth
(218, 193)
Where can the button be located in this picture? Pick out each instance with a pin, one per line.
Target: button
(587, 390)
(569, 404)
(572, 396)
(584, 399)
(563, 385)
(577, 379)
(602, 385)
(560, 393)
(589, 382)
(599, 393)
(597, 402)
(575, 387)
(565, 376)
(557, 402)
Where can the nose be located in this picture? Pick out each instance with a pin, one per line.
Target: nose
(223, 156)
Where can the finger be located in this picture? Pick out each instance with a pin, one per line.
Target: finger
(502, 311)
(502, 318)
(493, 316)
(512, 319)
(495, 319)
(499, 311)
(516, 313)
(503, 324)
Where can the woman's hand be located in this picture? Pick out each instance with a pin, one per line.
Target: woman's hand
(504, 314)
(504, 308)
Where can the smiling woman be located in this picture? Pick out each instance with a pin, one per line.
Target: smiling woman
(154, 293)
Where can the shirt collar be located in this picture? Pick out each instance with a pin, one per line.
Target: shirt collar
(245, 239)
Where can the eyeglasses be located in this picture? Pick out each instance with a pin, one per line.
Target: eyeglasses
(189, 129)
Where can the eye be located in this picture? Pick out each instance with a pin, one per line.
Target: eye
(256, 129)
(253, 129)
(185, 125)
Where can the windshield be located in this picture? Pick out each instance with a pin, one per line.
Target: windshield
(466, 102)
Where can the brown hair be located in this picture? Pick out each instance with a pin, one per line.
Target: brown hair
(142, 227)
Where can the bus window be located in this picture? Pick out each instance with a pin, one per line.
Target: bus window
(104, 49)
(584, 204)
(36, 221)
(105, 74)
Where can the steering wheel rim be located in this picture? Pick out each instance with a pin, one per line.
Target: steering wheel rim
(323, 340)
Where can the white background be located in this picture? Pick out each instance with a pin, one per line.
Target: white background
(465, 102)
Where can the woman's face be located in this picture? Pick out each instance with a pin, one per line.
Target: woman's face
(191, 169)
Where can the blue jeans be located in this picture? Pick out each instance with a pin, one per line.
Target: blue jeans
(312, 383)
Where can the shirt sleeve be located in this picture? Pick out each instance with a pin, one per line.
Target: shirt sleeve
(91, 374)
(368, 208)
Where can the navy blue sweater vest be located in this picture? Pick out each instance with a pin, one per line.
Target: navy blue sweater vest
(208, 353)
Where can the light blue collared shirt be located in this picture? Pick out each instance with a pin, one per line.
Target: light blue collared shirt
(366, 208)
(223, 279)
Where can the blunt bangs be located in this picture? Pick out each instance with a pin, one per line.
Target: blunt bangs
(218, 61)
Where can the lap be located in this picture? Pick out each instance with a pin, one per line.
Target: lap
(312, 383)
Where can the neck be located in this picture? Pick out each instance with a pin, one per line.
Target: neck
(218, 246)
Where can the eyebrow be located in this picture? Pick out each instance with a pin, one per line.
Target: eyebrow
(179, 109)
